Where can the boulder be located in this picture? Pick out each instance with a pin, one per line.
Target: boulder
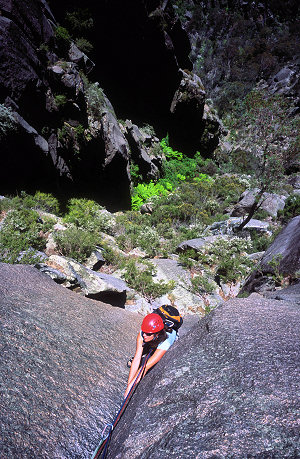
(100, 286)
(286, 80)
(290, 293)
(81, 59)
(95, 260)
(63, 366)
(269, 202)
(229, 226)
(61, 264)
(55, 274)
(136, 139)
(196, 244)
(227, 388)
(186, 301)
(281, 258)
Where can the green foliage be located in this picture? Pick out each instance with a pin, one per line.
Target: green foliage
(86, 214)
(260, 242)
(80, 20)
(95, 98)
(291, 208)
(230, 257)
(76, 243)
(227, 259)
(60, 100)
(168, 151)
(84, 45)
(21, 230)
(187, 258)
(202, 285)
(142, 192)
(111, 256)
(62, 34)
(140, 278)
(39, 201)
(270, 135)
(148, 130)
(136, 177)
(275, 265)
(72, 137)
(7, 122)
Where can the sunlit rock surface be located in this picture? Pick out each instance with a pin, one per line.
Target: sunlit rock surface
(227, 389)
(63, 366)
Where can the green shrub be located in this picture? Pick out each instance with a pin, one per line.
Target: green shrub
(8, 124)
(61, 34)
(228, 187)
(148, 239)
(140, 278)
(143, 192)
(76, 243)
(20, 230)
(42, 201)
(187, 258)
(60, 100)
(202, 285)
(111, 256)
(230, 259)
(79, 20)
(84, 45)
(86, 214)
(95, 98)
(168, 151)
(291, 208)
(260, 242)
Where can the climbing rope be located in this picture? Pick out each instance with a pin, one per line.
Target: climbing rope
(102, 447)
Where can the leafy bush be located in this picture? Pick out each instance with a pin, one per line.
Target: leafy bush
(79, 20)
(95, 98)
(76, 243)
(168, 151)
(42, 201)
(62, 35)
(291, 208)
(84, 45)
(140, 278)
(20, 230)
(148, 239)
(230, 258)
(260, 242)
(84, 213)
(7, 122)
(142, 192)
(60, 100)
(202, 285)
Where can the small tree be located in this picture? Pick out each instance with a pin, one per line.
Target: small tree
(274, 139)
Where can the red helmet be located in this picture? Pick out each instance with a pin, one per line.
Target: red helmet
(152, 323)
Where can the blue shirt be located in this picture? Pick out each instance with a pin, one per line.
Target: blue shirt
(167, 343)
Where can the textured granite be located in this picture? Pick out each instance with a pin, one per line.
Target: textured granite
(62, 366)
(228, 389)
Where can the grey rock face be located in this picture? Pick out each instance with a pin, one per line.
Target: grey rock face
(196, 244)
(137, 140)
(291, 293)
(228, 226)
(270, 202)
(228, 388)
(185, 299)
(283, 256)
(63, 366)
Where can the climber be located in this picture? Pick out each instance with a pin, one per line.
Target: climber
(153, 338)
